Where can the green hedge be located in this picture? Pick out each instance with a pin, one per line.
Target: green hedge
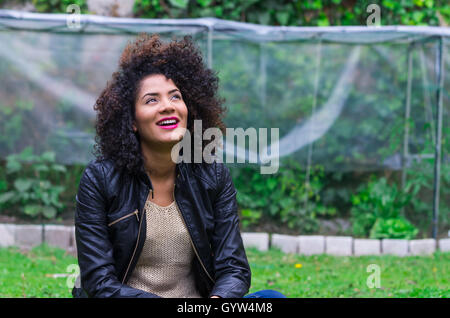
(278, 12)
(300, 12)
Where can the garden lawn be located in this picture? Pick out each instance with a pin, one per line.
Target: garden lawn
(331, 276)
(28, 274)
(31, 274)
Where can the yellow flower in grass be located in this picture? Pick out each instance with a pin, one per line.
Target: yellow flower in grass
(298, 265)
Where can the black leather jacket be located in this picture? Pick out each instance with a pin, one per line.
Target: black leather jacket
(110, 229)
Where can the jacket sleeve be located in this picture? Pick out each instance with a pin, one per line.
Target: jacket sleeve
(232, 272)
(94, 249)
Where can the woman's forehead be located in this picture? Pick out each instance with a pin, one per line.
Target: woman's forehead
(157, 83)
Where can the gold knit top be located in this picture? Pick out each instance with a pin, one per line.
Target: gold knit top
(164, 267)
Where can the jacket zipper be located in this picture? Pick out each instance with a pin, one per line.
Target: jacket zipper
(190, 238)
(137, 241)
(136, 212)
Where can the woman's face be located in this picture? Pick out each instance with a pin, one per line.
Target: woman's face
(161, 114)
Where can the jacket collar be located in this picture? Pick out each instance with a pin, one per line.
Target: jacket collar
(180, 173)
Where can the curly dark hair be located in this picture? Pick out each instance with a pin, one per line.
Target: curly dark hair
(182, 62)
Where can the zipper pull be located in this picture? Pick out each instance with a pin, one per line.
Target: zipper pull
(137, 214)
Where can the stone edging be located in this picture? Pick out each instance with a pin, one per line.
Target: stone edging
(27, 236)
(343, 245)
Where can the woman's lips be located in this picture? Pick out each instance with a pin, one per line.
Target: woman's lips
(170, 126)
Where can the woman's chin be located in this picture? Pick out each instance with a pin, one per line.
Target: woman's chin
(171, 144)
(177, 134)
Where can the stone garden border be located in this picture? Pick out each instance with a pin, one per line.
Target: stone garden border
(343, 245)
(27, 236)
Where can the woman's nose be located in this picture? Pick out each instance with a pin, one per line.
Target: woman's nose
(167, 106)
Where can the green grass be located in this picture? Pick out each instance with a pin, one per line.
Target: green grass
(29, 274)
(328, 276)
(26, 274)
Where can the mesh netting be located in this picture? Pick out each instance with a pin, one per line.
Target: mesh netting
(340, 96)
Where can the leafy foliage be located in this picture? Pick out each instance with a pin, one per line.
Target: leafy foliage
(376, 210)
(300, 13)
(58, 6)
(284, 198)
(275, 12)
(29, 190)
(397, 228)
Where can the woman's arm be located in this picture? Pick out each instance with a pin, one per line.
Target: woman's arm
(230, 261)
(94, 249)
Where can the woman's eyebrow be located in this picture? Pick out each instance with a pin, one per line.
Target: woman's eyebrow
(157, 94)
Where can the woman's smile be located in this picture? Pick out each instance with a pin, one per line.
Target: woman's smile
(168, 123)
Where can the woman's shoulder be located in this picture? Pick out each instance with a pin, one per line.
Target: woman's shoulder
(98, 166)
(215, 173)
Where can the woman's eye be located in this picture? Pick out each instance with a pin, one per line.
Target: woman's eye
(151, 100)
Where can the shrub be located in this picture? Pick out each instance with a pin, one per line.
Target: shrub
(30, 190)
(283, 198)
(398, 228)
(376, 210)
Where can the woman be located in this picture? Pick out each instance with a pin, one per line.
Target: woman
(145, 225)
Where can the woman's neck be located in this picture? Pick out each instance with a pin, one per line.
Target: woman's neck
(158, 163)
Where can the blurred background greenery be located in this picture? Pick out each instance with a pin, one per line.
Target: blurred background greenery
(34, 188)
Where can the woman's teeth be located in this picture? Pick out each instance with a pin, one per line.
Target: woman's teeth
(168, 122)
